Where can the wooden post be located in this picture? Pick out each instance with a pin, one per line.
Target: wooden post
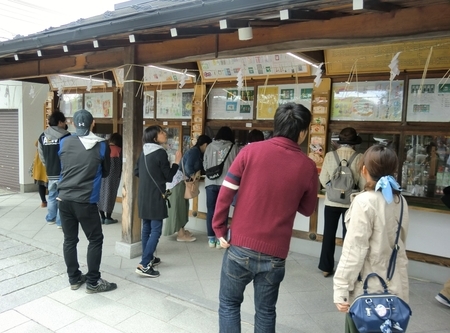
(132, 111)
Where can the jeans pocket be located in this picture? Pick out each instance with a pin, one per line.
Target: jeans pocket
(276, 274)
(237, 266)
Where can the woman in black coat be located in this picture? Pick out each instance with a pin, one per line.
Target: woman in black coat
(154, 171)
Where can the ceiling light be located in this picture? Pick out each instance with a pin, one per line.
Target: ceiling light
(84, 78)
(302, 59)
(16, 57)
(284, 14)
(65, 48)
(223, 24)
(358, 4)
(173, 32)
(95, 42)
(171, 70)
(132, 38)
(245, 33)
(39, 53)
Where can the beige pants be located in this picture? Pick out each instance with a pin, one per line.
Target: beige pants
(446, 290)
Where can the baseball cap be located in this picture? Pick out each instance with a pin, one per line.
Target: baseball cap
(82, 120)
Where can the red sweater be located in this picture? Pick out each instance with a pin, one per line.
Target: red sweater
(275, 180)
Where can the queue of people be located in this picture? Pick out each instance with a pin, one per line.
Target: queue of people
(257, 241)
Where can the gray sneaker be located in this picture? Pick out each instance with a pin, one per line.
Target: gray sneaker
(100, 287)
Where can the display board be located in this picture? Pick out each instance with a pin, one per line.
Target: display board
(431, 103)
(99, 104)
(367, 101)
(270, 97)
(254, 67)
(376, 58)
(70, 103)
(174, 103)
(149, 104)
(230, 103)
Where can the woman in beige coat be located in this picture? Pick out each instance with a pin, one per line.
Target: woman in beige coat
(372, 223)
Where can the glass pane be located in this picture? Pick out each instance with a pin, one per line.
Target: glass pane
(425, 170)
(173, 142)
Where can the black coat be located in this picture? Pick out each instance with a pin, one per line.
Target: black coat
(151, 204)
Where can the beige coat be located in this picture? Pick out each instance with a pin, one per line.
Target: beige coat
(329, 165)
(371, 230)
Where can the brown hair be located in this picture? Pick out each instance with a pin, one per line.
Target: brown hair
(379, 161)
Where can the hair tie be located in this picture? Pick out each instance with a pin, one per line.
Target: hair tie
(387, 184)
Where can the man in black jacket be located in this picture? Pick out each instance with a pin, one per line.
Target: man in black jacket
(48, 146)
(84, 161)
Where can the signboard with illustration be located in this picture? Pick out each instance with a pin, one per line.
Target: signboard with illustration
(270, 97)
(367, 101)
(273, 65)
(428, 100)
(99, 104)
(230, 103)
(174, 103)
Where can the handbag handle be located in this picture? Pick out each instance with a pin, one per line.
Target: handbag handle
(383, 283)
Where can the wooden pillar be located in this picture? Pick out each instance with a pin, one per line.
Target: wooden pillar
(132, 111)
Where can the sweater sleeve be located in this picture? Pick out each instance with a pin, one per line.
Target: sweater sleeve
(308, 202)
(227, 192)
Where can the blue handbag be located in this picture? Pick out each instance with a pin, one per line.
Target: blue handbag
(381, 312)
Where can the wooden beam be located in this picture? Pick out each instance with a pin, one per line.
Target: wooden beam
(405, 24)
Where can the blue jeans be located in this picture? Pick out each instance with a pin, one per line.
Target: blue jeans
(52, 203)
(151, 232)
(212, 192)
(240, 266)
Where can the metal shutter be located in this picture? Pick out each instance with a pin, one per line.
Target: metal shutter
(9, 149)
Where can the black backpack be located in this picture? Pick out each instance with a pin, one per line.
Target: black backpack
(341, 184)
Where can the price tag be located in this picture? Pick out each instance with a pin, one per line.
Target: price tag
(248, 124)
(184, 123)
(165, 123)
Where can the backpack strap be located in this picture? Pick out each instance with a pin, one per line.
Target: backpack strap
(350, 160)
(336, 156)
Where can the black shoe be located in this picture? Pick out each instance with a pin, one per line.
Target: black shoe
(155, 261)
(147, 271)
(101, 286)
(110, 221)
(77, 285)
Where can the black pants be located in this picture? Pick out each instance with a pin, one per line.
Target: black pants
(332, 216)
(87, 216)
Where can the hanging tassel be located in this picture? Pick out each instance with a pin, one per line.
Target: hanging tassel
(424, 75)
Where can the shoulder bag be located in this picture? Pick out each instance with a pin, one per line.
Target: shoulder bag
(216, 171)
(192, 183)
(381, 312)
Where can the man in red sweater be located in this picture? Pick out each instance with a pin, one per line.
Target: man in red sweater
(275, 180)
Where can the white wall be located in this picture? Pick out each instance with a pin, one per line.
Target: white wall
(428, 233)
(31, 120)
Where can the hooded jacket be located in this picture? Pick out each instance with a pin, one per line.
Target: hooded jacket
(48, 147)
(153, 160)
(85, 160)
(214, 154)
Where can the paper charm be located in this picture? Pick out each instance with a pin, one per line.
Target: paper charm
(89, 85)
(182, 81)
(394, 67)
(240, 82)
(60, 91)
(32, 94)
(318, 74)
(7, 91)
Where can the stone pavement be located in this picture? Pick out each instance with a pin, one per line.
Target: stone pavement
(35, 296)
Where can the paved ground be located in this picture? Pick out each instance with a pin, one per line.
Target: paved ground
(35, 297)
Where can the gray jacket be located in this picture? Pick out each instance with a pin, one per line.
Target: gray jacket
(214, 154)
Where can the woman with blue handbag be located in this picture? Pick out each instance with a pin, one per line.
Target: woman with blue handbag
(377, 222)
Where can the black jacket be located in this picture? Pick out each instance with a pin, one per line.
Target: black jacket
(48, 147)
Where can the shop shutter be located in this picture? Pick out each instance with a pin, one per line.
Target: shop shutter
(9, 149)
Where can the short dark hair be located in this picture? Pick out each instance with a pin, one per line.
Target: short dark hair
(202, 139)
(151, 134)
(116, 139)
(225, 133)
(56, 117)
(255, 135)
(291, 119)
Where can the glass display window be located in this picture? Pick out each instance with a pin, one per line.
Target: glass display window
(425, 169)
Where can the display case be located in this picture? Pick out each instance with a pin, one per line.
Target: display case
(425, 169)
